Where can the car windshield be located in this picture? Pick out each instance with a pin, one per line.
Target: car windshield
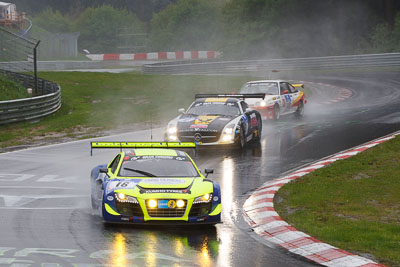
(269, 88)
(158, 166)
(214, 108)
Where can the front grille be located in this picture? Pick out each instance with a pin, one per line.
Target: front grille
(129, 209)
(206, 137)
(200, 209)
(166, 212)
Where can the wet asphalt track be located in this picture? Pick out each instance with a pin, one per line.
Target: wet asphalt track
(45, 219)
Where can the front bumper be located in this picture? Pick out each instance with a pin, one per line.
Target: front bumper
(111, 215)
(221, 141)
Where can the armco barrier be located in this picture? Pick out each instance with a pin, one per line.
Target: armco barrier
(251, 66)
(46, 101)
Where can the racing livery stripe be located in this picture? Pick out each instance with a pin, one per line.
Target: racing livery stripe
(259, 213)
(216, 99)
(296, 102)
(110, 210)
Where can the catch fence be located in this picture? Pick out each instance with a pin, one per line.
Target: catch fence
(265, 66)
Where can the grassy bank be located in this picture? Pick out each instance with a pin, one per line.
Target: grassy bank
(10, 90)
(354, 204)
(97, 102)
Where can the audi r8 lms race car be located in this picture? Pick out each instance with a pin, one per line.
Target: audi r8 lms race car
(154, 183)
(214, 119)
(281, 98)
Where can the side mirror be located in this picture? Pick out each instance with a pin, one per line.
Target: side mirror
(208, 171)
(181, 110)
(103, 170)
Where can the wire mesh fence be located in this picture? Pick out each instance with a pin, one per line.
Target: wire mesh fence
(16, 52)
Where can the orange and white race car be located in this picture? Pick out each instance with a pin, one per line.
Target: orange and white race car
(281, 97)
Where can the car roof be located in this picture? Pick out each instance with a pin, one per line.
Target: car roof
(218, 99)
(267, 81)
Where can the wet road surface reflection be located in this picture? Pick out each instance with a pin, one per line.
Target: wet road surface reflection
(45, 207)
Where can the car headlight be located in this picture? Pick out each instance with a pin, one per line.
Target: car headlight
(203, 199)
(152, 203)
(228, 130)
(263, 103)
(121, 197)
(180, 203)
(172, 130)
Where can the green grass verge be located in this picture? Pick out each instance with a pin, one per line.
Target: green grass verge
(10, 90)
(96, 102)
(354, 204)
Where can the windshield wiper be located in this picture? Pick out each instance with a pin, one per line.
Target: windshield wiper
(141, 172)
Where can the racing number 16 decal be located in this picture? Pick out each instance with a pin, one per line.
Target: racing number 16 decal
(122, 184)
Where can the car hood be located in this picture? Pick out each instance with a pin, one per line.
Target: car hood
(154, 183)
(177, 183)
(202, 123)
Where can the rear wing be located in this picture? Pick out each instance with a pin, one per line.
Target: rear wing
(122, 145)
(230, 95)
(298, 85)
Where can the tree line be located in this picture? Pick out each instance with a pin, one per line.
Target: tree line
(238, 28)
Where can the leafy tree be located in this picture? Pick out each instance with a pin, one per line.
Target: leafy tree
(186, 25)
(52, 21)
(98, 28)
(386, 38)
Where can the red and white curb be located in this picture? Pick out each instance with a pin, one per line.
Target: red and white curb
(157, 56)
(259, 213)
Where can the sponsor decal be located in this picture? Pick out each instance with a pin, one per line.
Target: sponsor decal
(181, 157)
(246, 123)
(205, 119)
(199, 126)
(152, 157)
(253, 121)
(249, 137)
(165, 191)
(163, 181)
(199, 129)
(110, 198)
(171, 204)
(299, 97)
(223, 100)
(215, 198)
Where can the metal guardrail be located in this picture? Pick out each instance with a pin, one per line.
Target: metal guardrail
(251, 66)
(46, 101)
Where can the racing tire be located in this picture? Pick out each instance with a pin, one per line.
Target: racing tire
(277, 113)
(257, 139)
(300, 109)
(94, 196)
(242, 139)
